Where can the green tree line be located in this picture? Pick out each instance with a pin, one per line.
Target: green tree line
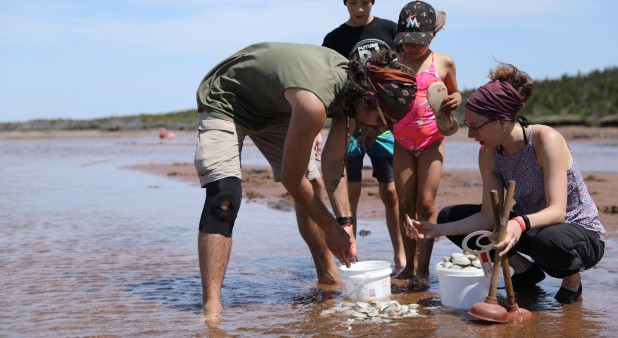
(584, 99)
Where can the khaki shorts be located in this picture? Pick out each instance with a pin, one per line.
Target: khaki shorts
(220, 142)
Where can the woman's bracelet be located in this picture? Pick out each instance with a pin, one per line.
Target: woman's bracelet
(522, 223)
(527, 222)
(345, 221)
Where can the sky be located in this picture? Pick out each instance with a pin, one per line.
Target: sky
(84, 59)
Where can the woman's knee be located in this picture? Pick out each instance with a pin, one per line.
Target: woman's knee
(568, 246)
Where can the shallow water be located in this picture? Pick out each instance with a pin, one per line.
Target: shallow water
(88, 248)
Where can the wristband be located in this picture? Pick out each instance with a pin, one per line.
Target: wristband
(521, 222)
(527, 222)
(345, 221)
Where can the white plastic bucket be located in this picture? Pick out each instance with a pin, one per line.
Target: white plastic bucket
(368, 280)
(461, 288)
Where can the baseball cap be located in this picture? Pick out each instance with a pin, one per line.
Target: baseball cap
(366, 47)
(417, 24)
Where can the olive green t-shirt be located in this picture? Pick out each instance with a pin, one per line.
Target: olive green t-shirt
(247, 87)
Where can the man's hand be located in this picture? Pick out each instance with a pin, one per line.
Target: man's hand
(317, 145)
(367, 137)
(342, 245)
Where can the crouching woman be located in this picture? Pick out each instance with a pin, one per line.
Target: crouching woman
(554, 220)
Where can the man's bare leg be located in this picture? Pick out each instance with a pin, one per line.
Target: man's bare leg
(214, 254)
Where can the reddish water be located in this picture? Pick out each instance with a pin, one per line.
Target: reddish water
(90, 249)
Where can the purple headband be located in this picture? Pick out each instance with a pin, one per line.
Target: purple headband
(497, 100)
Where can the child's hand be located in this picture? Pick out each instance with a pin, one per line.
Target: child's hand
(451, 102)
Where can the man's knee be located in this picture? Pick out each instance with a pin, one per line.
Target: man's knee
(223, 198)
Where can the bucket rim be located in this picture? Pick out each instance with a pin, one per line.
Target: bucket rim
(459, 272)
(365, 266)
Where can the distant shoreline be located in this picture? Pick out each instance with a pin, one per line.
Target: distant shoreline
(569, 132)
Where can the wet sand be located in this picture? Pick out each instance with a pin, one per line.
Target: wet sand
(455, 187)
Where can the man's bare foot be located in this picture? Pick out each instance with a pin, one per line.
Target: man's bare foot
(212, 319)
(328, 286)
(212, 313)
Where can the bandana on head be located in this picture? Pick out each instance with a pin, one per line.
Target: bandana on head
(394, 89)
(496, 100)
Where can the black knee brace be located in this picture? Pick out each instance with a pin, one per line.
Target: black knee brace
(217, 218)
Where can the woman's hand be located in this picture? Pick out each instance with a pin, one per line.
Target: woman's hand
(419, 229)
(511, 238)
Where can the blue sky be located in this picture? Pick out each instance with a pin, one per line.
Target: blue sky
(82, 59)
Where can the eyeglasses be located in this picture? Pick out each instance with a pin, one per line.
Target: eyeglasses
(476, 129)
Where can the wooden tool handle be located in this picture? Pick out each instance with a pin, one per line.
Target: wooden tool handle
(495, 272)
(506, 272)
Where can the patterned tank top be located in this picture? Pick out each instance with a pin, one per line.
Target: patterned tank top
(524, 169)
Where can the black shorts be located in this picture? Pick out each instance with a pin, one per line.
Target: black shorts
(382, 168)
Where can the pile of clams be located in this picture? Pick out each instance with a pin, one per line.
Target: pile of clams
(374, 311)
(459, 260)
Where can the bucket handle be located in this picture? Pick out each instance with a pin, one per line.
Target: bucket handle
(483, 254)
(366, 276)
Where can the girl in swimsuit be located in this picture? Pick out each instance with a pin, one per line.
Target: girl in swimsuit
(419, 147)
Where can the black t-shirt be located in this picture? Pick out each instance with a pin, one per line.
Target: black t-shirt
(344, 37)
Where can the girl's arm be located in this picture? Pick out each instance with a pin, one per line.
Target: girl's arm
(448, 73)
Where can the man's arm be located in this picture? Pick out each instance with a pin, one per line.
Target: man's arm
(333, 166)
(334, 171)
(307, 120)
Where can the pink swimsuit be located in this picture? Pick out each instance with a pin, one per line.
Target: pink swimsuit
(418, 129)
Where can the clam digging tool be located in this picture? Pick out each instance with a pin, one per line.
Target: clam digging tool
(482, 254)
(490, 310)
(515, 313)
